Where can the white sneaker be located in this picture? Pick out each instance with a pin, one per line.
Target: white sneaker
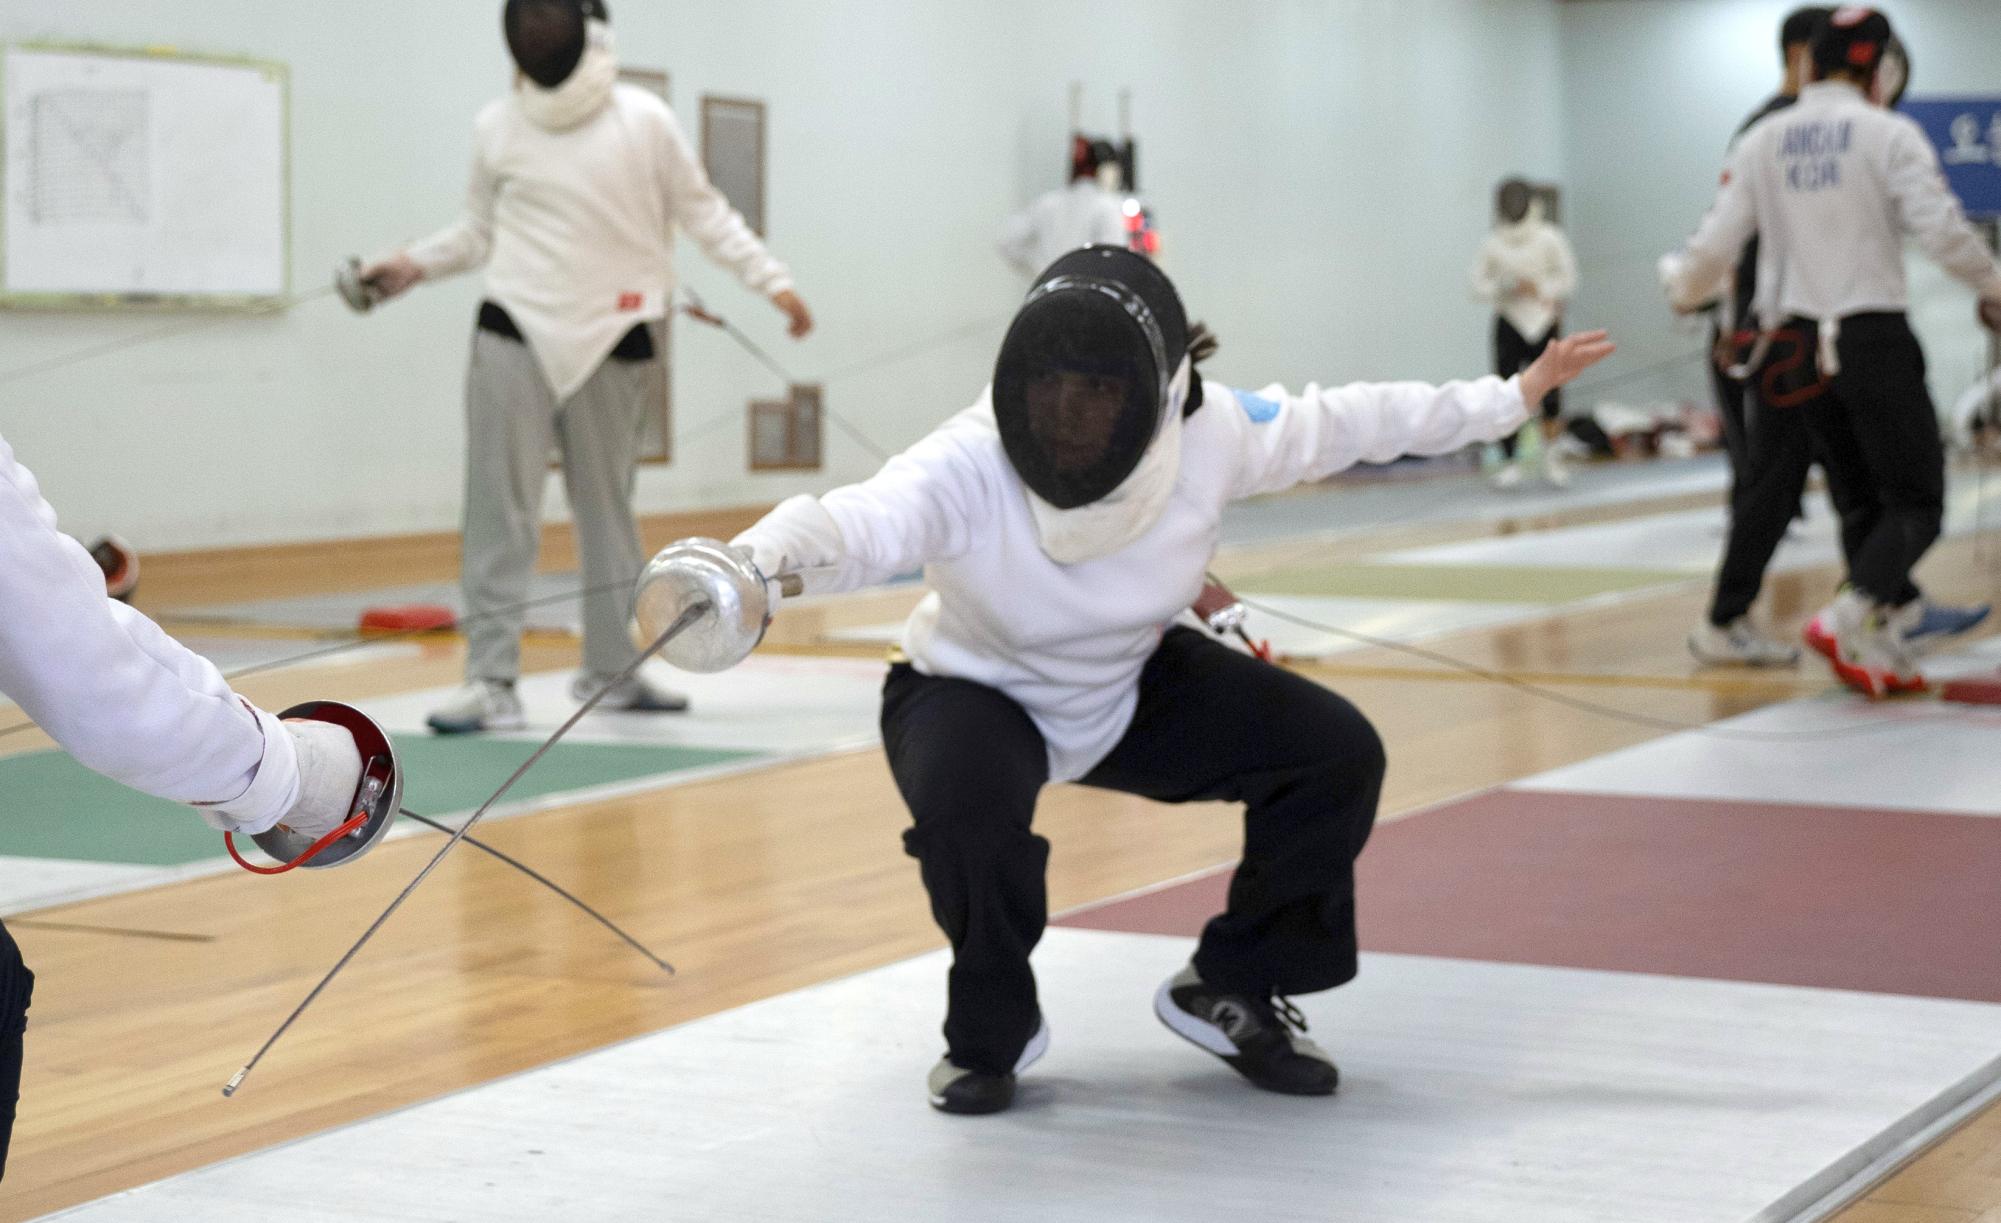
(483, 704)
(1739, 643)
(1510, 476)
(636, 695)
(1870, 653)
(1553, 469)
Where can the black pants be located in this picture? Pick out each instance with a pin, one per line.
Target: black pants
(1212, 724)
(17, 986)
(1875, 433)
(1513, 353)
(1771, 455)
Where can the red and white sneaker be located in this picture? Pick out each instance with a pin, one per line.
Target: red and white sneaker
(1870, 654)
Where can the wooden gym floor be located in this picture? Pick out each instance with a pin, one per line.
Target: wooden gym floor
(767, 882)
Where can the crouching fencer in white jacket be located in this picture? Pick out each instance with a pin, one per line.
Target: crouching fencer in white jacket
(130, 702)
(1064, 522)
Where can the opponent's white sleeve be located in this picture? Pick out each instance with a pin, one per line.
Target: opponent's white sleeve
(115, 691)
(1691, 274)
(1932, 214)
(466, 243)
(927, 504)
(717, 228)
(1289, 439)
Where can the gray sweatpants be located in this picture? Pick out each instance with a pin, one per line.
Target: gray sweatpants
(512, 422)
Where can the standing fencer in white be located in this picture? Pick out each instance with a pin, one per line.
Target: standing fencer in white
(1832, 186)
(1064, 523)
(1088, 212)
(130, 702)
(1528, 272)
(579, 185)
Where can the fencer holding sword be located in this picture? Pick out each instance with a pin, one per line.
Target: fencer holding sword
(579, 186)
(1064, 522)
(122, 697)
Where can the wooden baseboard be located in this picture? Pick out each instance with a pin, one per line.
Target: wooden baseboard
(232, 575)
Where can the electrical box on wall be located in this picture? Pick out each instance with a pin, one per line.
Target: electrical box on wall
(786, 434)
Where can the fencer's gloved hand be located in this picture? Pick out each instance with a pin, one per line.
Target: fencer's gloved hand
(392, 277)
(1990, 314)
(329, 776)
(798, 535)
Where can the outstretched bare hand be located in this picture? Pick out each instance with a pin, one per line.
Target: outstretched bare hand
(1562, 361)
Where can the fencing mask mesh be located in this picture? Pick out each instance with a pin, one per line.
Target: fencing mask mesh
(547, 38)
(1083, 381)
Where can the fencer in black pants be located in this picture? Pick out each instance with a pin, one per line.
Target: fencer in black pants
(1771, 457)
(1065, 522)
(1876, 433)
(1212, 725)
(1515, 352)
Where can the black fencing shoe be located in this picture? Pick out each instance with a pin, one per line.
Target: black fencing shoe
(1262, 1038)
(973, 1093)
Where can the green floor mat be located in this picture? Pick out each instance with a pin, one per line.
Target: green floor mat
(1456, 583)
(52, 807)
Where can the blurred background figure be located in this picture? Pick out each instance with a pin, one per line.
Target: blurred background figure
(1770, 453)
(1528, 271)
(1089, 212)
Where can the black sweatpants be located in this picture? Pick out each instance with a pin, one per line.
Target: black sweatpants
(1212, 724)
(1515, 352)
(1771, 456)
(1876, 435)
(17, 987)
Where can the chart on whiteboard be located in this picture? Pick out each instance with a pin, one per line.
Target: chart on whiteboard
(90, 159)
(142, 178)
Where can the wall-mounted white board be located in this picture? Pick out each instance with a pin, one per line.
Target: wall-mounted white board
(142, 178)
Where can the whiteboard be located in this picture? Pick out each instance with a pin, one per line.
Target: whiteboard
(142, 178)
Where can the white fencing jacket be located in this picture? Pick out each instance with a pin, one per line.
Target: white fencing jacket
(576, 227)
(1058, 222)
(1831, 186)
(1068, 642)
(1529, 250)
(115, 691)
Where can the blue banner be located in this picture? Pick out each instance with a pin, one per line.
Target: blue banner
(1967, 132)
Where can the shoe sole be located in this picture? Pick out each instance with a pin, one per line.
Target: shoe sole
(1737, 660)
(1877, 685)
(473, 728)
(1038, 1045)
(1198, 1032)
(959, 1110)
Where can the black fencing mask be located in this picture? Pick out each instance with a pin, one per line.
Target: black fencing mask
(1512, 201)
(1084, 379)
(1854, 39)
(548, 37)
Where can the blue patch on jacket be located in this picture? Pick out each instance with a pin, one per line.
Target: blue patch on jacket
(1262, 411)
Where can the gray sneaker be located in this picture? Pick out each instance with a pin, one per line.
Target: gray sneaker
(636, 695)
(483, 704)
